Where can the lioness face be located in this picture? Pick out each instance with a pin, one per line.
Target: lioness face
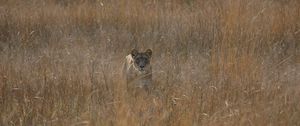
(141, 59)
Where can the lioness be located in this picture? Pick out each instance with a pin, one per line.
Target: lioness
(137, 69)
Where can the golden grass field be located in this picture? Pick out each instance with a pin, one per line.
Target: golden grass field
(215, 62)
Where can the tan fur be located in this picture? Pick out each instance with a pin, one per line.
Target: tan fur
(136, 78)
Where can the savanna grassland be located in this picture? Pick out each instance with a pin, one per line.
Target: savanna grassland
(215, 62)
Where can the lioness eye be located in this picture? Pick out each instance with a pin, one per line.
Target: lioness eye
(146, 60)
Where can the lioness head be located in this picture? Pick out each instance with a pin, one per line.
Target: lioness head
(141, 59)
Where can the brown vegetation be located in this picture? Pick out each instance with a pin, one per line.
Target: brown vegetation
(216, 62)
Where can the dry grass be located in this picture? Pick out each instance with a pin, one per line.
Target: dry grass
(216, 62)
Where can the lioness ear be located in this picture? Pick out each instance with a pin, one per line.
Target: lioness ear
(134, 52)
(149, 52)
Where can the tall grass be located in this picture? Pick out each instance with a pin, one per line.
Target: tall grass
(217, 62)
